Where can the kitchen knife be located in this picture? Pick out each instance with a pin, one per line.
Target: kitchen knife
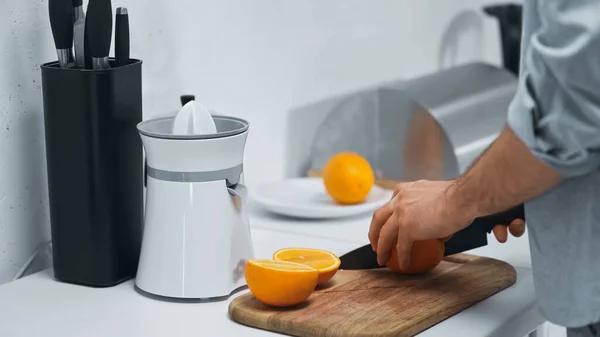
(99, 32)
(121, 37)
(79, 33)
(472, 237)
(86, 48)
(61, 23)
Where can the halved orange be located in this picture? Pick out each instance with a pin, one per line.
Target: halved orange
(325, 262)
(280, 283)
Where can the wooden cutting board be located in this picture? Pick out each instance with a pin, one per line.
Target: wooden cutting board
(380, 302)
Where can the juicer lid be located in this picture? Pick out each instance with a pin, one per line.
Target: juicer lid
(162, 128)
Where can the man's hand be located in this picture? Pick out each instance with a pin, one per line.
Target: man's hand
(418, 210)
(505, 175)
(423, 210)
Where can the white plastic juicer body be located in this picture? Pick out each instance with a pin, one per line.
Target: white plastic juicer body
(196, 233)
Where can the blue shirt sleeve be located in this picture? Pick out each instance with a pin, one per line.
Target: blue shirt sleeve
(556, 110)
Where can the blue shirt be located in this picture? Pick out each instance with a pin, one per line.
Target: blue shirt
(556, 113)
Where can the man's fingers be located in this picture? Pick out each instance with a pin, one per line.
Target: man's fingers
(380, 216)
(517, 227)
(404, 248)
(388, 236)
(501, 233)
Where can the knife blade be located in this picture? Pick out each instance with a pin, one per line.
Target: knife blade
(472, 237)
(78, 33)
(122, 37)
(78, 9)
(61, 24)
(99, 32)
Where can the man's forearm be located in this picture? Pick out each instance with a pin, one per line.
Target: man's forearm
(505, 175)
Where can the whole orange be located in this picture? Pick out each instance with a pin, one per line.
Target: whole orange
(425, 256)
(348, 178)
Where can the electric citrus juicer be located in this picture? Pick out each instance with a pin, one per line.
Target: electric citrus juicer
(196, 231)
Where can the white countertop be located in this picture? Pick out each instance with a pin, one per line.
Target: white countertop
(38, 305)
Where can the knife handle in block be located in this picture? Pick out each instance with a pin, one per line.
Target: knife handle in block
(61, 23)
(99, 22)
(122, 37)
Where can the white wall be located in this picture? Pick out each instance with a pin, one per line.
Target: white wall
(254, 59)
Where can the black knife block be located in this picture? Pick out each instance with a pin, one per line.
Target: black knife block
(95, 171)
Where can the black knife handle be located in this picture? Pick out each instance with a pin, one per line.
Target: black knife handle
(502, 218)
(99, 27)
(77, 3)
(122, 37)
(86, 47)
(61, 22)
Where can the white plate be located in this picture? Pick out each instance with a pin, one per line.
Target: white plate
(307, 198)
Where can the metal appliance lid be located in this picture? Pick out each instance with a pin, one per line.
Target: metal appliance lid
(400, 138)
(227, 126)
